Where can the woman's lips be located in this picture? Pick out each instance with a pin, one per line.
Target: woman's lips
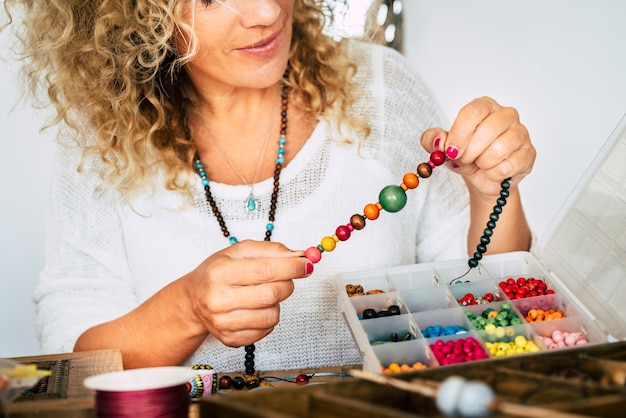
(266, 46)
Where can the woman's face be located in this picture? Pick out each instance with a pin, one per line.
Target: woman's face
(242, 43)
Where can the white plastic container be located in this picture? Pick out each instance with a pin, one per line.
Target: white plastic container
(582, 258)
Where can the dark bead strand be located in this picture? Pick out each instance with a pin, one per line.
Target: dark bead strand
(491, 224)
(249, 356)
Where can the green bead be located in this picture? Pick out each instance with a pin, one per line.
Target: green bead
(392, 198)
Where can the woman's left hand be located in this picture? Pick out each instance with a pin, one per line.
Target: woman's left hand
(486, 144)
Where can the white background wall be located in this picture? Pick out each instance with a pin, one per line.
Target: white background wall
(562, 63)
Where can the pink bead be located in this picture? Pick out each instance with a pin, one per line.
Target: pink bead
(342, 232)
(571, 339)
(582, 341)
(350, 227)
(557, 336)
(313, 254)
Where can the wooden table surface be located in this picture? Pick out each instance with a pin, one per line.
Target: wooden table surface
(77, 401)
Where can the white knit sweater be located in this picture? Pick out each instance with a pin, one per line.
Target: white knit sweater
(105, 257)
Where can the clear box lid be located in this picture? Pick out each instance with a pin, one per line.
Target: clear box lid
(585, 245)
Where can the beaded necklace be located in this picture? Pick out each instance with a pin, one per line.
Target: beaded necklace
(251, 204)
(280, 160)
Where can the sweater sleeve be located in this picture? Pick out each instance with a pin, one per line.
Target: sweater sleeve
(85, 280)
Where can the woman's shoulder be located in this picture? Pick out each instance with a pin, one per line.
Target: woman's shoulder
(363, 51)
(375, 59)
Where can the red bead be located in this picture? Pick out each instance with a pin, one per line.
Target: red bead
(342, 232)
(225, 382)
(313, 254)
(302, 379)
(437, 158)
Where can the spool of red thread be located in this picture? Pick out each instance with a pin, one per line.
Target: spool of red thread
(142, 393)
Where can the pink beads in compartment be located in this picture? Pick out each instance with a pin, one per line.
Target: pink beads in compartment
(560, 339)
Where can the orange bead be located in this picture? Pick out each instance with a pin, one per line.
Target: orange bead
(419, 365)
(371, 211)
(411, 180)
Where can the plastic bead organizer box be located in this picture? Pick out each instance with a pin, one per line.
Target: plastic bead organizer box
(569, 292)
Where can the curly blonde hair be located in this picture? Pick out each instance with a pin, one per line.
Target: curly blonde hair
(110, 68)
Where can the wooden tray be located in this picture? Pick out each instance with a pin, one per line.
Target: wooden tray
(587, 381)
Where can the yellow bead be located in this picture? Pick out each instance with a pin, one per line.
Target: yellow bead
(531, 347)
(520, 341)
(499, 332)
(490, 329)
(328, 243)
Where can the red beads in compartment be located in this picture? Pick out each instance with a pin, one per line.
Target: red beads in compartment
(523, 287)
(458, 351)
(471, 299)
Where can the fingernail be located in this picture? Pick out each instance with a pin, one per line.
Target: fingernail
(308, 268)
(452, 152)
(437, 144)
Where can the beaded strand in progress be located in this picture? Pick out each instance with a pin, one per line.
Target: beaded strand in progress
(393, 198)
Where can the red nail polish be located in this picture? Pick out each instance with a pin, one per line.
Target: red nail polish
(452, 152)
(437, 144)
(308, 268)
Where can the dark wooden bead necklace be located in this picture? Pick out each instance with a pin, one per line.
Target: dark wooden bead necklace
(280, 160)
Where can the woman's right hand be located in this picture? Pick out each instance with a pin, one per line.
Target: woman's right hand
(235, 294)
